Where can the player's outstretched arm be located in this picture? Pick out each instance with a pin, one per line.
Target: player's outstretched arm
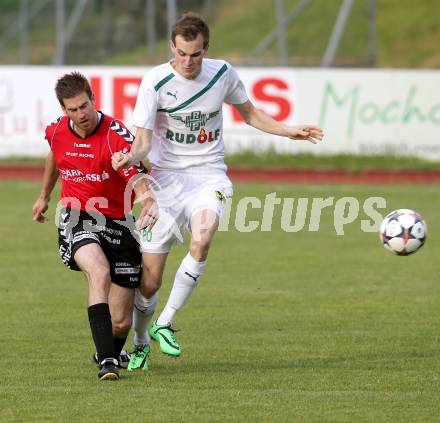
(50, 178)
(139, 149)
(262, 121)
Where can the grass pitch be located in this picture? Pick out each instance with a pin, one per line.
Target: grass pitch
(284, 327)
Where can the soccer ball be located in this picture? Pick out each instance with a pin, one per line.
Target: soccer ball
(403, 232)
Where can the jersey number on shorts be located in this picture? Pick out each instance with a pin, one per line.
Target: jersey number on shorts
(146, 235)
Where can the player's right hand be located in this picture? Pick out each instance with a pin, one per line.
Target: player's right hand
(40, 207)
(309, 133)
(120, 161)
(148, 215)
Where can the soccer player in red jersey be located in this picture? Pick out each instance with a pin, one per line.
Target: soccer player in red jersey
(94, 221)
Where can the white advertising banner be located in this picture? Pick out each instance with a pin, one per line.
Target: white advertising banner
(361, 111)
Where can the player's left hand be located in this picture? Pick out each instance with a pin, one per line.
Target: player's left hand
(308, 133)
(39, 208)
(148, 215)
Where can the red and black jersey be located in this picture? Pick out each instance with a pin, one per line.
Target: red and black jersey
(88, 180)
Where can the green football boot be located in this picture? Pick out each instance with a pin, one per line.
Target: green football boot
(165, 336)
(139, 358)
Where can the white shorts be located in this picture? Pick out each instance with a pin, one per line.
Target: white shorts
(179, 196)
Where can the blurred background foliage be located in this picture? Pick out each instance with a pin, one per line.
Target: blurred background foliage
(114, 32)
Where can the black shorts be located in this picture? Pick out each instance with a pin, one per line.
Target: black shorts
(120, 246)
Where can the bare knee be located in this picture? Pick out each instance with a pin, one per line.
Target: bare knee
(153, 266)
(199, 248)
(121, 325)
(203, 226)
(151, 282)
(98, 278)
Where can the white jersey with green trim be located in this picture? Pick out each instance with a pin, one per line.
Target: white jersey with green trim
(186, 115)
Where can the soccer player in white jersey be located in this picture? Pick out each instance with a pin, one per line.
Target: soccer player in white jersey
(179, 122)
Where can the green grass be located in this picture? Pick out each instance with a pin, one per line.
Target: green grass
(272, 159)
(399, 24)
(22, 161)
(407, 34)
(346, 162)
(284, 327)
(307, 36)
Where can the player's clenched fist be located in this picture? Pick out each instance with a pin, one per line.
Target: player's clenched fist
(120, 161)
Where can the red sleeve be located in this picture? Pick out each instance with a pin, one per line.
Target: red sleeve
(50, 131)
(47, 135)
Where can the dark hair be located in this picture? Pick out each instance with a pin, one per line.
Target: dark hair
(72, 84)
(189, 26)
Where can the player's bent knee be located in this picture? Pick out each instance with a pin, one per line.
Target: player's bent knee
(121, 327)
(99, 279)
(151, 281)
(150, 286)
(98, 274)
(199, 249)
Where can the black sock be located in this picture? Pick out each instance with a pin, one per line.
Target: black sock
(119, 344)
(101, 326)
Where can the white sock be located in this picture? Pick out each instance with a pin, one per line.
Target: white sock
(186, 280)
(143, 311)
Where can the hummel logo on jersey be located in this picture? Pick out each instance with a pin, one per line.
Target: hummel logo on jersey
(192, 276)
(82, 145)
(172, 94)
(196, 119)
